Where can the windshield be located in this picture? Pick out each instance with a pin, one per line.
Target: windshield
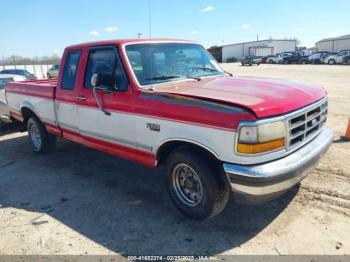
(3, 81)
(165, 62)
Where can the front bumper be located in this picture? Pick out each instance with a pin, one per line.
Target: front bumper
(262, 182)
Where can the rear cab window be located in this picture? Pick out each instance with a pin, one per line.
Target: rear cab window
(70, 70)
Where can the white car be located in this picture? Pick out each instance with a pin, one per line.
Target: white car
(277, 58)
(4, 112)
(338, 58)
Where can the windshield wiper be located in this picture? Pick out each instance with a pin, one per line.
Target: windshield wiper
(164, 77)
(208, 69)
(195, 77)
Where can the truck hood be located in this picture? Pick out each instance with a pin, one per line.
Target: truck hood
(265, 97)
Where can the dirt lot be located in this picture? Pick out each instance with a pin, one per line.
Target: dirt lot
(80, 201)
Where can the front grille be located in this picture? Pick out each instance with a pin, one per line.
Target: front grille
(305, 125)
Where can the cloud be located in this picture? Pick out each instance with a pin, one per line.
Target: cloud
(94, 33)
(195, 32)
(300, 29)
(246, 26)
(111, 29)
(207, 9)
(332, 34)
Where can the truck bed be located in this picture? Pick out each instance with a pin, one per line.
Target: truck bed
(36, 95)
(39, 88)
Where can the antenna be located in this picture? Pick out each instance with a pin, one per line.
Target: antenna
(149, 19)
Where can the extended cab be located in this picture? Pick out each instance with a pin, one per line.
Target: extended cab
(168, 102)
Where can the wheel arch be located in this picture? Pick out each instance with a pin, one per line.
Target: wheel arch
(27, 111)
(166, 147)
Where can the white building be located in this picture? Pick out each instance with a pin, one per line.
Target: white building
(334, 44)
(259, 48)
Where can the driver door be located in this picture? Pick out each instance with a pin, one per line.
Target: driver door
(117, 128)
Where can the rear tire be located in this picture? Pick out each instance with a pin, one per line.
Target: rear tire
(197, 185)
(42, 142)
(347, 61)
(270, 62)
(331, 62)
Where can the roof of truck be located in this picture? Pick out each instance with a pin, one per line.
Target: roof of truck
(130, 41)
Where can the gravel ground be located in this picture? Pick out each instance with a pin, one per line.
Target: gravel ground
(80, 201)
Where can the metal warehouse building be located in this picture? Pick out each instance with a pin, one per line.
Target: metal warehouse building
(334, 44)
(259, 48)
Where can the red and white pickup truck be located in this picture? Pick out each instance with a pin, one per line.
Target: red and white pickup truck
(168, 102)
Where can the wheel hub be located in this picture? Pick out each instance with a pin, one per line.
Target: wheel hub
(35, 136)
(187, 185)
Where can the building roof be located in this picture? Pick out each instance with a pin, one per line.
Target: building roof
(259, 41)
(343, 37)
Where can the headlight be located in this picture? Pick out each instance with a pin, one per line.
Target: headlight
(254, 139)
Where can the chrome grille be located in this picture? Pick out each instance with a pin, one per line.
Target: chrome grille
(306, 124)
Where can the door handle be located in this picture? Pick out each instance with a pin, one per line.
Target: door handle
(81, 98)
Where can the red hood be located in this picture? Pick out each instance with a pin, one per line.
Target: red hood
(266, 97)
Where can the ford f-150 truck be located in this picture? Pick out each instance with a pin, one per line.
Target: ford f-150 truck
(168, 102)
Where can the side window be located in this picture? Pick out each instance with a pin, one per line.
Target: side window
(105, 61)
(70, 70)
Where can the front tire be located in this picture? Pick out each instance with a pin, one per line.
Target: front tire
(196, 184)
(331, 62)
(42, 142)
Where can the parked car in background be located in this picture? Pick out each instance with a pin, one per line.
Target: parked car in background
(250, 60)
(294, 58)
(53, 71)
(21, 72)
(4, 112)
(315, 58)
(325, 56)
(279, 57)
(346, 60)
(265, 59)
(337, 58)
(272, 59)
(231, 60)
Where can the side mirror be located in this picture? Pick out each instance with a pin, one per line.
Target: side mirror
(95, 80)
(104, 81)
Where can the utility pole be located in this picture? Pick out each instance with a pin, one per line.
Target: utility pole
(149, 19)
(139, 35)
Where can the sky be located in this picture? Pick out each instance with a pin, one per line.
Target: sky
(43, 27)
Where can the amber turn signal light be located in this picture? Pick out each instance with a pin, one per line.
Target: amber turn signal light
(261, 147)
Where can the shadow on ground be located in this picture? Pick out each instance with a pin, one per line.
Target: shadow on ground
(120, 205)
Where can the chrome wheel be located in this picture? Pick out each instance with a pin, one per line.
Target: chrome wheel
(35, 137)
(187, 185)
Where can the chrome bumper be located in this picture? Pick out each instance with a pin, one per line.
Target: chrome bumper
(258, 183)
